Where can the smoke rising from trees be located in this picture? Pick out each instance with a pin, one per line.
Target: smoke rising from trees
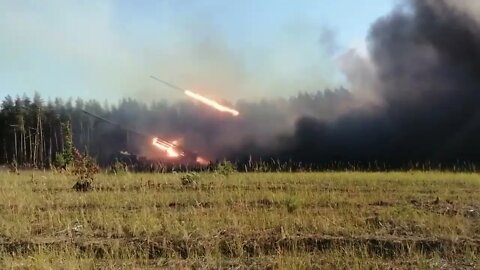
(426, 65)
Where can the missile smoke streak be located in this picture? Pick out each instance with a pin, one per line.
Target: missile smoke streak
(211, 103)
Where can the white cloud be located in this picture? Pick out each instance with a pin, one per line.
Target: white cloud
(111, 57)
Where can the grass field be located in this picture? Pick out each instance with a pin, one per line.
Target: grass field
(349, 220)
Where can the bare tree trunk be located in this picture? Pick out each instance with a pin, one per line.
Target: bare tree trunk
(56, 139)
(25, 157)
(44, 150)
(15, 140)
(31, 146)
(50, 150)
(20, 156)
(35, 146)
(34, 159)
(40, 138)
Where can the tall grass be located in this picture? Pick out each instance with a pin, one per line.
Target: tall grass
(363, 219)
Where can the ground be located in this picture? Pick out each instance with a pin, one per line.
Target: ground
(346, 220)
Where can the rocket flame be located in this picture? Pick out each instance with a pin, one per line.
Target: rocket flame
(172, 150)
(168, 148)
(202, 161)
(211, 103)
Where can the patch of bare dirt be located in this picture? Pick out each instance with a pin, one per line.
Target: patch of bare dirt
(382, 203)
(448, 208)
(191, 204)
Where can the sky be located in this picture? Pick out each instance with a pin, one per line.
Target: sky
(231, 50)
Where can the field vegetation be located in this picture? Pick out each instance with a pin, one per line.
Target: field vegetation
(349, 220)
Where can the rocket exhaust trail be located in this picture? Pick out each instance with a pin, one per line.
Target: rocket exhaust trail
(167, 84)
(211, 103)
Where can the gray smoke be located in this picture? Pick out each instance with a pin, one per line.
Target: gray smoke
(426, 67)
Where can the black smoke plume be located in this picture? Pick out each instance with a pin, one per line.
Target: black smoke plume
(426, 56)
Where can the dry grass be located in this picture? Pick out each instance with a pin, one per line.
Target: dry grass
(271, 220)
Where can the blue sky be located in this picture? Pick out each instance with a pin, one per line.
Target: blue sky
(229, 49)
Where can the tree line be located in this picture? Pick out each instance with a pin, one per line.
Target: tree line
(34, 130)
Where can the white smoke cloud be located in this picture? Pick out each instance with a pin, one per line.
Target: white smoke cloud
(78, 45)
(362, 77)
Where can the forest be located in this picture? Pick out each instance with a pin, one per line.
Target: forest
(33, 130)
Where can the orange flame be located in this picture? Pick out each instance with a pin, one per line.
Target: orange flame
(211, 103)
(172, 151)
(168, 148)
(202, 161)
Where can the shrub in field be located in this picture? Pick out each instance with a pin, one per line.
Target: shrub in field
(73, 162)
(292, 204)
(190, 179)
(65, 158)
(225, 168)
(82, 186)
(85, 168)
(59, 161)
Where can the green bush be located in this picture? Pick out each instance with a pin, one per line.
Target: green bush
(190, 179)
(59, 161)
(292, 204)
(65, 158)
(225, 168)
